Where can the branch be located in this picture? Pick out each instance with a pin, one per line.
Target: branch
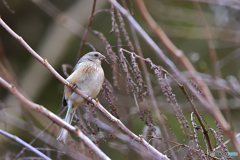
(59, 121)
(46, 138)
(77, 132)
(23, 142)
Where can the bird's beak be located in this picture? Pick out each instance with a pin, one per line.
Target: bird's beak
(102, 58)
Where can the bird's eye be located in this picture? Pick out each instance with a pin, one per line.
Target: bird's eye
(96, 55)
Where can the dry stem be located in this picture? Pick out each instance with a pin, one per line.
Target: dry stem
(208, 103)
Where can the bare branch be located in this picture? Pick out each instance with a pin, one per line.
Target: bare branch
(59, 121)
(23, 142)
(77, 132)
(24, 149)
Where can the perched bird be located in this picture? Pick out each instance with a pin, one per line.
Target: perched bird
(88, 77)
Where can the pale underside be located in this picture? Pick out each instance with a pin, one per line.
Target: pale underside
(89, 78)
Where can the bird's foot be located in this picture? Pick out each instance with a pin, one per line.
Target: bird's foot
(90, 99)
(74, 87)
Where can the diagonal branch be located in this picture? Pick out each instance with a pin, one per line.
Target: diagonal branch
(23, 142)
(155, 153)
(77, 132)
(24, 149)
(46, 138)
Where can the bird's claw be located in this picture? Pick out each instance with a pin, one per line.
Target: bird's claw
(74, 87)
(90, 99)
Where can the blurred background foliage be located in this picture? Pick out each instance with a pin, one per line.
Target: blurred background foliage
(54, 30)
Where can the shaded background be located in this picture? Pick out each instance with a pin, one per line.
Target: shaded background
(54, 30)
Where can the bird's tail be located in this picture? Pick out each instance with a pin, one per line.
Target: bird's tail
(63, 134)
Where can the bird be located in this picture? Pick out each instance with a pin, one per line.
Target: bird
(88, 77)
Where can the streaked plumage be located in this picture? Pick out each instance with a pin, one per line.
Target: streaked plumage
(88, 75)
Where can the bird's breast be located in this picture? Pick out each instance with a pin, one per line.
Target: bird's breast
(89, 78)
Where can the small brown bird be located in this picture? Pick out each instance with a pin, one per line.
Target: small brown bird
(88, 76)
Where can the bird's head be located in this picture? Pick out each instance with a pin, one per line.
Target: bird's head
(93, 56)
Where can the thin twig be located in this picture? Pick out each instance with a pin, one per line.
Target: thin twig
(205, 132)
(24, 149)
(84, 37)
(8, 7)
(62, 18)
(48, 139)
(133, 143)
(214, 59)
(65, 67)
(24, 143)
(226, 142)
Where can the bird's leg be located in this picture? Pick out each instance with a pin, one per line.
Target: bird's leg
(74, 87)
(89, 97)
